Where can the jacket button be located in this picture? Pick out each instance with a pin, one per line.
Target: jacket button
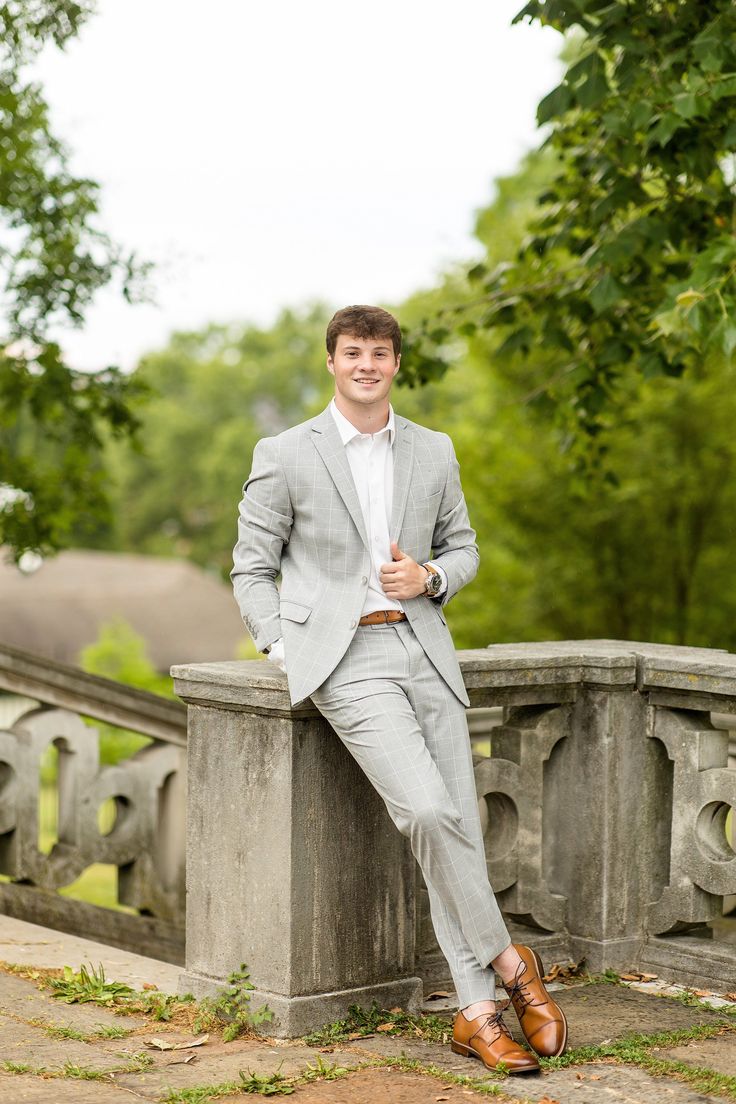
(364, 579)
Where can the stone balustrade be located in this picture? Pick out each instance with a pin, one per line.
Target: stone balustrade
(605, 801)
(146, 840)
(605, 804)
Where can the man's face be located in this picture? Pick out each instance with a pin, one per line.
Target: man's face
(364, 368)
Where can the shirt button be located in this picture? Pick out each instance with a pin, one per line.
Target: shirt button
(353, 624)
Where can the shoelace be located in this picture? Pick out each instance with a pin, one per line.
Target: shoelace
(515, 989)
(496, 1019)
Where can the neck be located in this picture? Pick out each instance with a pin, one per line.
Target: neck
(366, 419)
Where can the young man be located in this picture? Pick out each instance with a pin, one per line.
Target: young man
(349, 506)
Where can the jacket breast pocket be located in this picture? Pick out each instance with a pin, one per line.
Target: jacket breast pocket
(433, 496)
(294, 611)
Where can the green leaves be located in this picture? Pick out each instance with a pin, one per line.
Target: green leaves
(605, 293)
(555, 103)
(638, 216)
(55, 260)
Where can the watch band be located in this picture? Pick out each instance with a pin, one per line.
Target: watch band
(433, 582)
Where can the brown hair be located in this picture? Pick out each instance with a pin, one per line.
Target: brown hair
(364, 322)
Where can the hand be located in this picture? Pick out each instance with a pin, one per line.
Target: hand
(276, 654)
(404, 578)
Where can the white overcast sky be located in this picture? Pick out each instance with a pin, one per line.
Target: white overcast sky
(267, 154)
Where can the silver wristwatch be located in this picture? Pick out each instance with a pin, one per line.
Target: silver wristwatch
(433, 582)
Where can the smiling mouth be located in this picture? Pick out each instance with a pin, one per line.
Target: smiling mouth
(365, 381)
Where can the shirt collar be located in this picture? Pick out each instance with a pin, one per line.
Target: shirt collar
(348, 430)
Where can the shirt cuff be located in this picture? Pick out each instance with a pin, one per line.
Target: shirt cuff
(443, 574)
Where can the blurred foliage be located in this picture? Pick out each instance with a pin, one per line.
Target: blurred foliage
(53, 260)
(120, 654)
(626, 272)
(644, 551)
(213, 395)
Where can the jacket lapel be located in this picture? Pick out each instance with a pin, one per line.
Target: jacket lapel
(328, 443)
(403, 466)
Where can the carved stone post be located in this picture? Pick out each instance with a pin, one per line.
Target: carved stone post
(294, 866)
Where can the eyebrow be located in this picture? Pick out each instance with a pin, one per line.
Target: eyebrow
(377, 348)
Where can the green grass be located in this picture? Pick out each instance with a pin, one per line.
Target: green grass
(363, 1021)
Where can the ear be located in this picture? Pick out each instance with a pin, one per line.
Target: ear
(330, 364)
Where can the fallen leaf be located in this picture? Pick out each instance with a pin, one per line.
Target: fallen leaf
(162, 1044)
(595, 1077)
(547, 1100)
(182, 1061)
(149, 985)
(397, 1009)
(649, 977)
(359, 1035)
(573, 969)
(386, 1027)
(630, 977)
(439, 994)
(729, 996)
(702, 992)
(442, 1098)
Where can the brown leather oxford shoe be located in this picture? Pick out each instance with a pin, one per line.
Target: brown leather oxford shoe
(541, 1018)
(487, 1037)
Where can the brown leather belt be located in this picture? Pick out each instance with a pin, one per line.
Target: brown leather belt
(382, 617)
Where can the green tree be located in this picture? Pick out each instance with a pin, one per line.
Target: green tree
(53, 260)
(214, 393)
(627, 271)
(646, 555)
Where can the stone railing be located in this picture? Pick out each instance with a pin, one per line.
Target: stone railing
(146, 840)
(605, 800)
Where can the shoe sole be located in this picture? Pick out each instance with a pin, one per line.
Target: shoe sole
(468, 1052)
(563, 1044)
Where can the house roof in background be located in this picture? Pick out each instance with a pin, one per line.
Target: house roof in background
(185, 614)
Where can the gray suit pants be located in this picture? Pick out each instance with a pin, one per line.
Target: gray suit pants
(409, 734)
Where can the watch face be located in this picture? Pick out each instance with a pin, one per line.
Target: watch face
(433, 584)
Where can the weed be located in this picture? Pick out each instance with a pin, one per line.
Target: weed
(60, 1031)
(87, 985)
(361, 1021)
(202, 1093)
(83, 1073)
(160, 1005)
(324, 1070)
(233, 1007)
(267, 1084)
(112, 1033)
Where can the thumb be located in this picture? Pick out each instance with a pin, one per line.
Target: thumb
(396, 552)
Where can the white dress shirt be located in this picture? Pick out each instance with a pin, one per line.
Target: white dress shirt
(371, 460)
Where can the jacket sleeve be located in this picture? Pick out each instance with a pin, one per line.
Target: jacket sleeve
(265, 518)
(454, 546)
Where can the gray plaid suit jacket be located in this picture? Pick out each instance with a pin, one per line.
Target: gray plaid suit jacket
(300, 515)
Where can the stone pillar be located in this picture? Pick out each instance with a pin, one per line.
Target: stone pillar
(294, 866)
